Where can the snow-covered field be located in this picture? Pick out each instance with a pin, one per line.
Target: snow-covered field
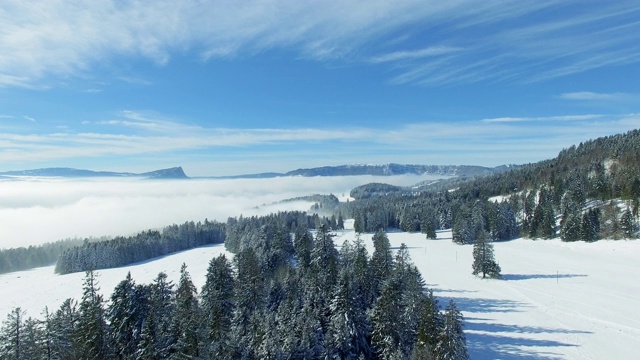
(556, 301)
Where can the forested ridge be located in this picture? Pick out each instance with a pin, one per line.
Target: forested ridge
(590, 191)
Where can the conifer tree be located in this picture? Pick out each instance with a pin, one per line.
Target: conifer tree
(381, 260)
(348, 327)
(627, 224)
(186, 319)
(217, 306)
(63, 329)
(483, 258)
(451, 340)
(126, 313)
(12, 335)
(431, 323)
(92, 333)
(157, 338)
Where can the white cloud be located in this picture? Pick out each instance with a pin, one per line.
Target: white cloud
(594, 96)
(100, 207)
(149, 138)
(56, 38)
(544, 119)
(415, 54)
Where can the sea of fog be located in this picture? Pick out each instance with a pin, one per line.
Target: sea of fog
(39, 210)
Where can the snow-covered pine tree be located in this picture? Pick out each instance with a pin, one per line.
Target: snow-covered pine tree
(186, 321)
(349, 328)
(157, 340)
(11, 335)
(62, 329)
(217, 307)
(627, 224)
(431, 323)
(381, 260)
(33, 341)
(125, 317)
(452, 344)
(483, 258)
(91, 335)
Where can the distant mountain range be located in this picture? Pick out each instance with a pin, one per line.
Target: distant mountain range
(342, 170)
(171, 173)
(383, 170)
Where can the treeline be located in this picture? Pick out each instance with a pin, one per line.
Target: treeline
(23, 258)
(121, 251)
(146, 245)
(289, 297)
(428, 212)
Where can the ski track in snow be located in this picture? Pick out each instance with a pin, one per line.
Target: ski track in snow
(557, 300)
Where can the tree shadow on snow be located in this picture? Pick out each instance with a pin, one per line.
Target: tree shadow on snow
(517, 277)
(493, 346)
(455, 291)
(489, 340)
(485, 305)
(479, 324)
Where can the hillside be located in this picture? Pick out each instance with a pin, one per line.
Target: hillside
(588, 192)
(170, 173)
(382, 170)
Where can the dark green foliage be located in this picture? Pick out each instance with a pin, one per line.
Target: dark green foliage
(451, 340)
(122, 251)
(91, 332)
(381, 261)
(126, 314)
(431, 324)
(186, 321)
(483, 258)
(373, 189)
(24, 258)
(217, 307)
(11, 335)
(627, 224)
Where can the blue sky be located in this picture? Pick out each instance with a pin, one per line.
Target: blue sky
(223, 87)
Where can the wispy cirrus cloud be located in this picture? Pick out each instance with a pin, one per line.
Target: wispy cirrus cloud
(483, 142)
(594, 96)
(415, 54)
(506, 40)
(544, 118)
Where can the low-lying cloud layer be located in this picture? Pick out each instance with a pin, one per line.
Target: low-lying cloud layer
(35, 211)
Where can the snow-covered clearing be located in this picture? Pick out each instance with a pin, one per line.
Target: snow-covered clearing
(32, 290)
(557, 300)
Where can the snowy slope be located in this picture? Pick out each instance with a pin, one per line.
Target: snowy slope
(34, 289)
(557, 301)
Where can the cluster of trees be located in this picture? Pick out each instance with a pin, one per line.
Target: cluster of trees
(23, 258)
(149, 244)
(588, 192)
(293, 296)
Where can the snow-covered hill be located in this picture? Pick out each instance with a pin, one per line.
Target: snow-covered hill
(557, 300)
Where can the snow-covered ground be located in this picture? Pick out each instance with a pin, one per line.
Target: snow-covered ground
(32, 290)
(557, 300)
